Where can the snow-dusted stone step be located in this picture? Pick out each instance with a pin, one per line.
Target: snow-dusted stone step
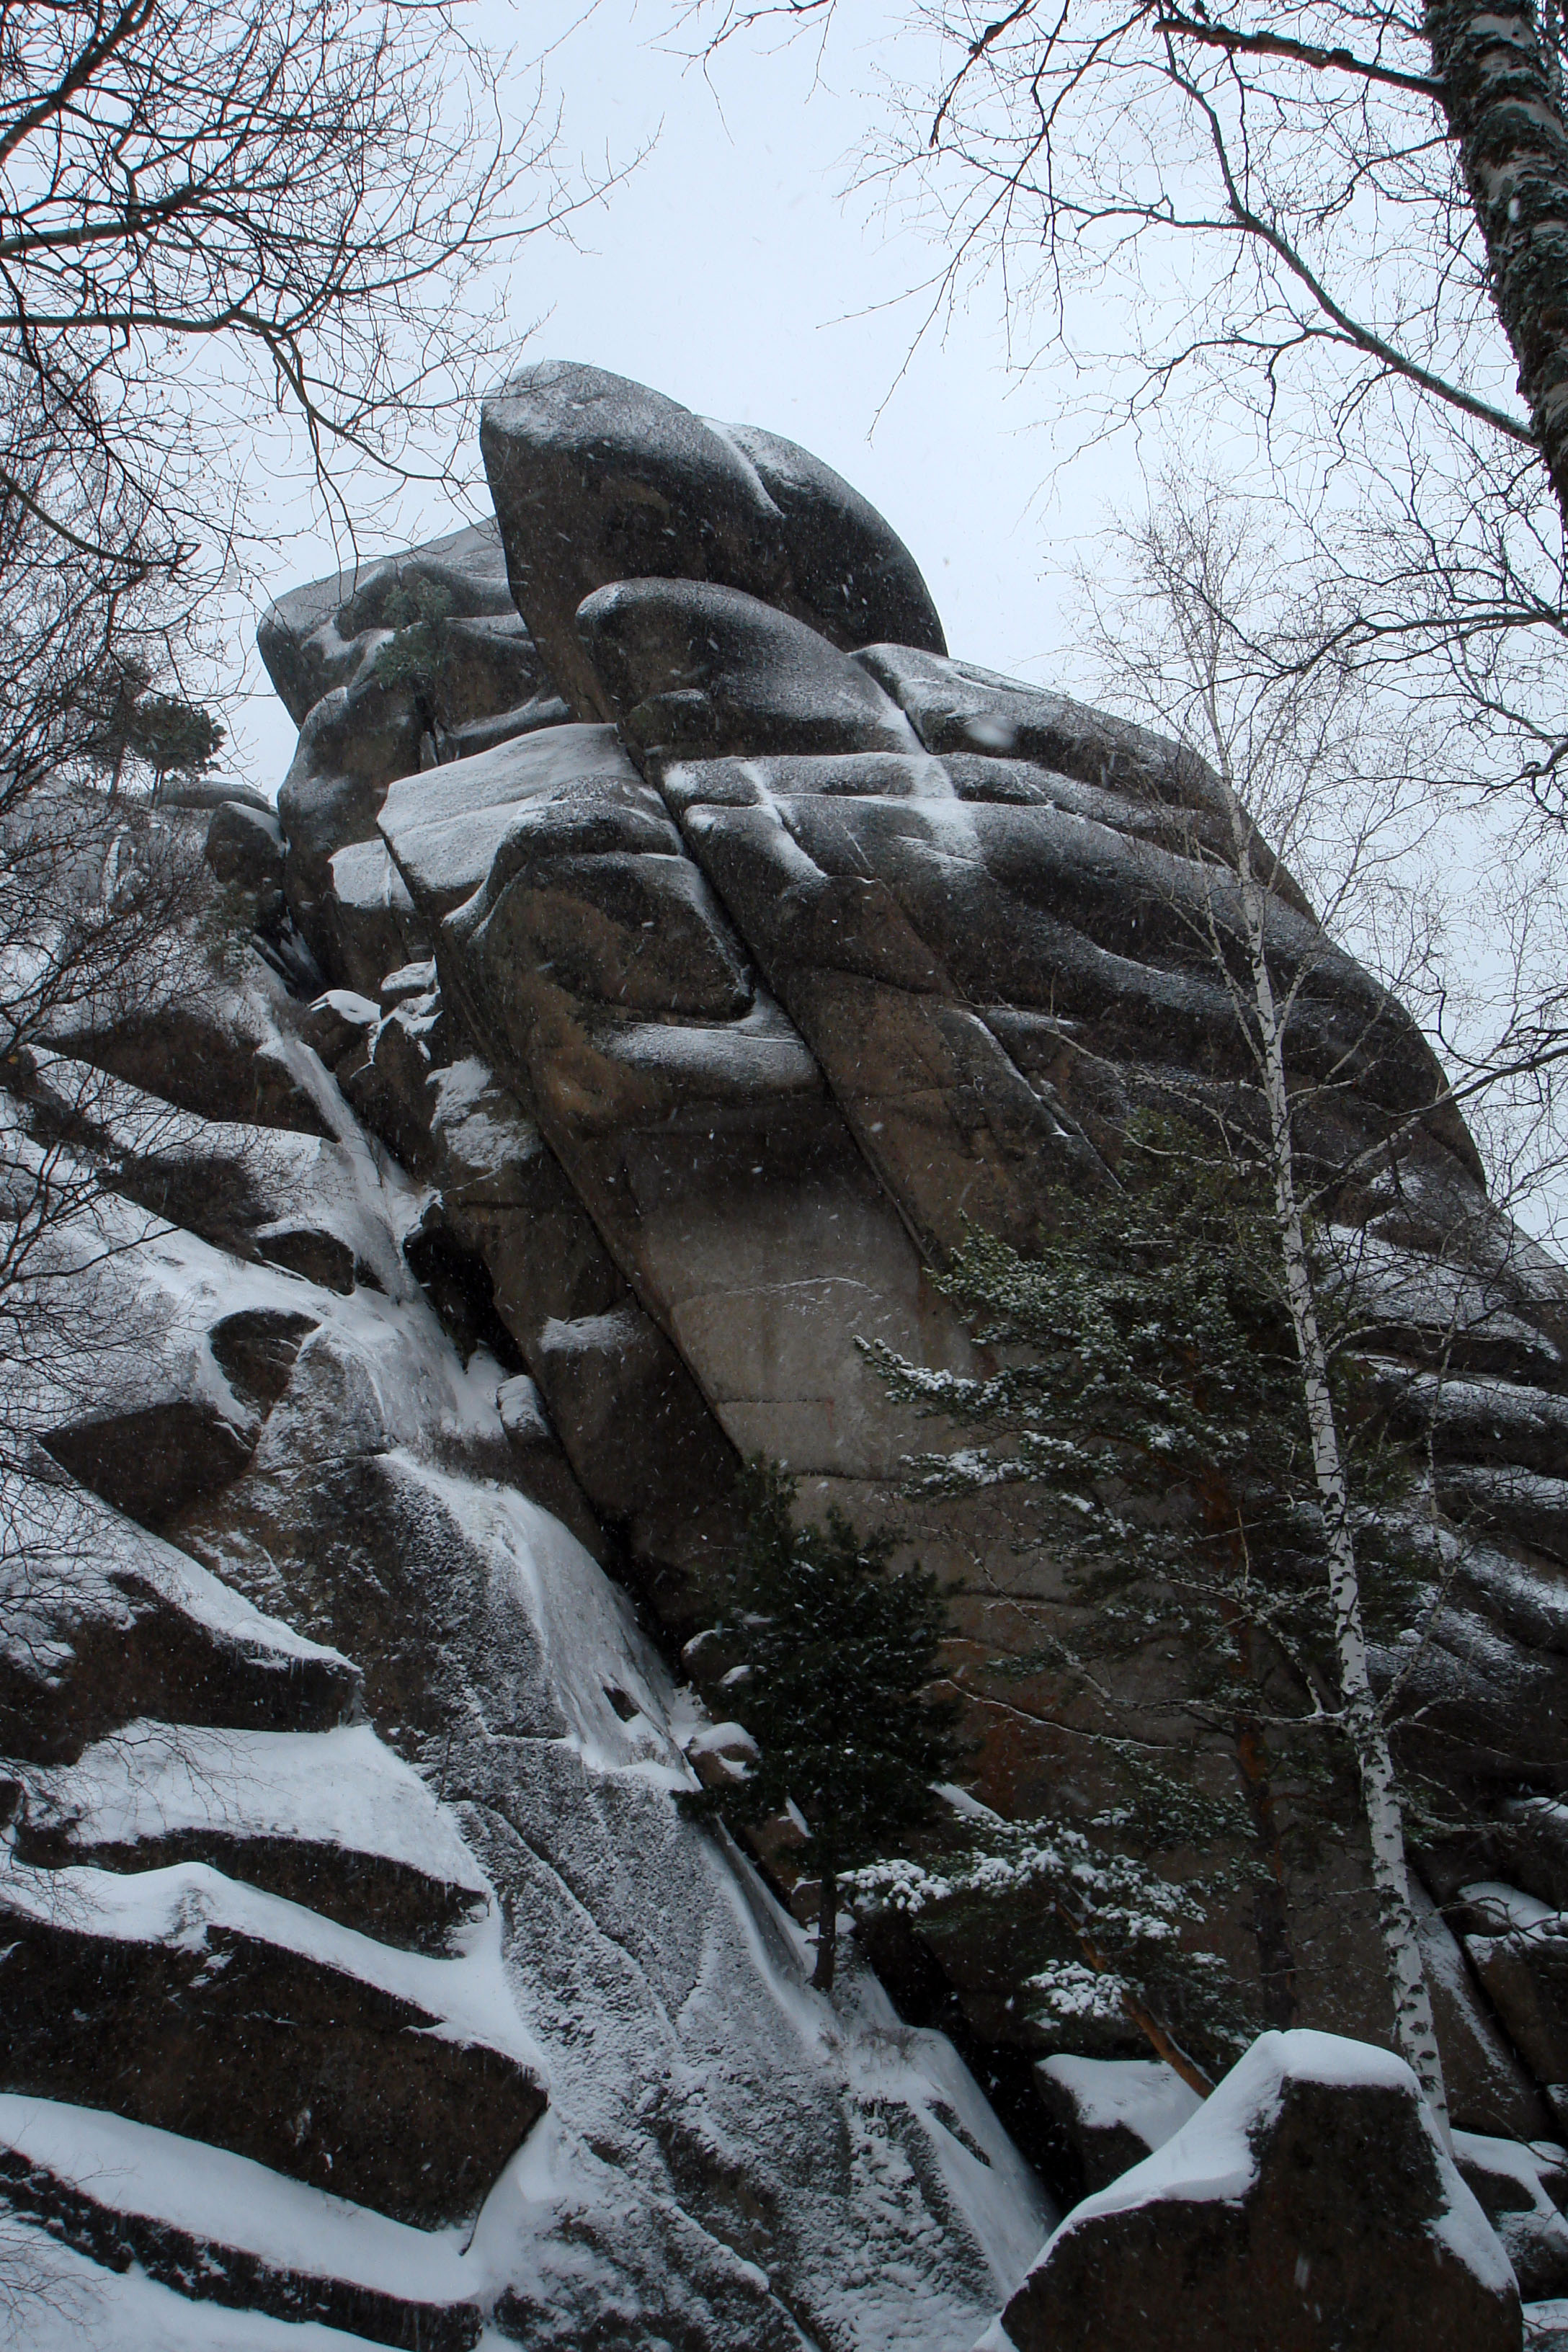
(332, 1821)
(445, 827)
(104, 1623)
(180, 1999)
(223, 2231)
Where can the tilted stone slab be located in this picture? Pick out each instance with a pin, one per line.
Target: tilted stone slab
(332, 1820)
(181, 2000)
(367, 922)
(445, 827)
(104, 1624)
(597, 479)
(882, 918)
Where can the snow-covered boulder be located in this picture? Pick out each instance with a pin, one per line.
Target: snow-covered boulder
(1308, 2206)
(1115, 2111)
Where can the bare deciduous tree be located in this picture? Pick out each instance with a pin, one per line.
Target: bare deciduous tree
(1210, 645)
(213, 212)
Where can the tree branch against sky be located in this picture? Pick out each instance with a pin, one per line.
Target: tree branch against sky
(215, 214)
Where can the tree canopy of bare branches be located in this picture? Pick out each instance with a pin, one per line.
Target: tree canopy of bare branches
(213, 212)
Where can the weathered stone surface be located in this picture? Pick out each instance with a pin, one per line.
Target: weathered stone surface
(320, 637)
(190, 795)
(255, 1350)
(338, 1019)
(1308, 2206)
(1518, 1947)
(891, 982)
(544, 1471)
(245, 847)
(632, 1410)
(1490, 2089)
(958, 707)
(723, 1184)
(353, 742)
(702, 2146)
(445, 828)
(597, 479)
(714, 2127)
(642, 932)
(188, 2006)
(693, 671)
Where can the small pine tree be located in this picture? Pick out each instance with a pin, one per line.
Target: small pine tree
(413, 655)
(1095, 1940)
(838, 1653)
(123, 719)
(1152, 1401)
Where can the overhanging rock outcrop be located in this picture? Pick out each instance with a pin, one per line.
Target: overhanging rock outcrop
(706, 951)
(795, 947)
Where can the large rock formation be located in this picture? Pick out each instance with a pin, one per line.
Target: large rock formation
(1310, 2206)
(676, 962)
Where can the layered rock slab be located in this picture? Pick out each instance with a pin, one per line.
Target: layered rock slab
(128, 2197)
(1309, 2206)
(181, 2000)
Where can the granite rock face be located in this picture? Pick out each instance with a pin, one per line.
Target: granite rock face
(705, 950)
(791, 955)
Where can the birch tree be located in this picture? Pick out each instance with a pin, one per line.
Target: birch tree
(1285, 732)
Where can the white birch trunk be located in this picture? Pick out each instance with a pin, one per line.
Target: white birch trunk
(1413, 2025)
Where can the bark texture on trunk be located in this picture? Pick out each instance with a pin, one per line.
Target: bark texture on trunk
(1415, 2031)
(1500, 94)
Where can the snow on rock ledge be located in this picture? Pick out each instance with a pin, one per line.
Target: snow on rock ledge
(1308, 2206)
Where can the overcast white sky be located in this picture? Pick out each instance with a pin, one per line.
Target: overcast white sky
(731, 271)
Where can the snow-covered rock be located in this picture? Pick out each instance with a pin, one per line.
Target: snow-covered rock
(1115, 2111)
(1309, 2205)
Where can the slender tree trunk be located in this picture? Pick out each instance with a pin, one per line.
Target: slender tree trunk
(1413, 2025)
(1157, 2034)
(1502, 97)
(827, 1933)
